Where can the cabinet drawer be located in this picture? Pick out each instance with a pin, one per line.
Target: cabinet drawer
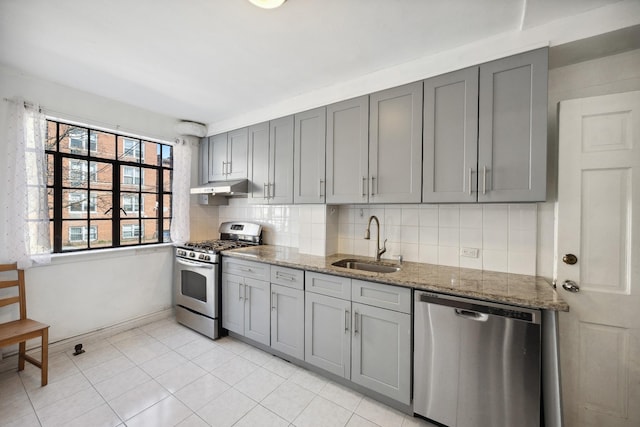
(289, 277)
(379, 295)
(254, 270)
(326, 284)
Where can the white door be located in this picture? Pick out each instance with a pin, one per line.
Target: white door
(599, 223)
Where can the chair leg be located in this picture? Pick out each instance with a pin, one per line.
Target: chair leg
(44, 368)
(22, 347)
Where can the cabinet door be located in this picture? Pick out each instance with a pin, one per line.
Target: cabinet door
(256, 310)
(287, 320)
(512, 138)
(309, 174)
(217, 157)
(395, 145)
(381, 359)
(327, 335)
(450, 137)
(281, 161)
(203, 161)
(347, 151)
(237, 148)
(233, 303)
(258, 163)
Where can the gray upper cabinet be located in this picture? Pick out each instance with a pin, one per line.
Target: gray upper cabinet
(280, 188)
(309, 151)
(512, 128)
(228, 155)
(347, 151)
(271, 162)
(450, 137)
(258, 163)
(395, 145)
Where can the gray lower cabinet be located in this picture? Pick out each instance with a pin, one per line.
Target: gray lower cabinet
(327, 333)
(309, 184)
(395, 145)
(450, 137)
(245, 307)
(512, 128)
(381, 351)
(287, 311)
(347, 151)
(271, 162)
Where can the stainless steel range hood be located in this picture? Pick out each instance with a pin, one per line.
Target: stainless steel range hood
(223, 188)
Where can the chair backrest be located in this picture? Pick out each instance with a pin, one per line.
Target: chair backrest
(19, 282)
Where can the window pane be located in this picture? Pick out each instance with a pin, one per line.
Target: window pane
(75, 173)
(150, 205)
(101, 176)
(50, 202)
(50, 169)
(102, 233)
(166, 205)
(103, 205)
(166, 179)
(76, 204)
(75, 235)
(105, 145)
(150, 180)
(129, 149)
(167, 156)
(129, 232)
(130, 203)
(150, 231)
(150, 153)
(166, 228)
(51, 143)
(130, 178)
(77, 140)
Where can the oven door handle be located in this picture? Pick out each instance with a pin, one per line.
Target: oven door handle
(194, 264)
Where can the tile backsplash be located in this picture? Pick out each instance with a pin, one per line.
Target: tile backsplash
(500, 237)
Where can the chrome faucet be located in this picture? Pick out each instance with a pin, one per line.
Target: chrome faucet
(367, 236)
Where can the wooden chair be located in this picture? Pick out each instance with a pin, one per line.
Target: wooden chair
(19, 331)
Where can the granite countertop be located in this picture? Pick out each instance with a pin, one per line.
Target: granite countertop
(526, 291)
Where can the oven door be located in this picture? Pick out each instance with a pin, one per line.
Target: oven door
(196, 286)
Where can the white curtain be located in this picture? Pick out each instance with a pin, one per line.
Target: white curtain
(25, 204)
(180, 190)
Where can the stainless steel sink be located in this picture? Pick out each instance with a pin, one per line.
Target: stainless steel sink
(358, 264)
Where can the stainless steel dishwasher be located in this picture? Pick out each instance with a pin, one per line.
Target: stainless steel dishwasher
(476, 364)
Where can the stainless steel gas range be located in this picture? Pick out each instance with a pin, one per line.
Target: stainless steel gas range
(197, 275)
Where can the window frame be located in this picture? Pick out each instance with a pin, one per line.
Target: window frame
(105, 175)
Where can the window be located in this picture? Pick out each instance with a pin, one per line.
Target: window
(79, 234)
(78, 203)
(131, 148)
(78, 139)
(79, 172)
(131, 175)
(130, 231)
(102, 198)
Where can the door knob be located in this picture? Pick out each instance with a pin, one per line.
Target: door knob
(570, 259)
(571, 286)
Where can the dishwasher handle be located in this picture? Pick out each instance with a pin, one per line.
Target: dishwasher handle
(471, 315)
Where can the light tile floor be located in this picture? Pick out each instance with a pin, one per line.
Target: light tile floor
(163, 374)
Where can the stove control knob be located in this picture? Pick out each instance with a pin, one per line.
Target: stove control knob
(192, 255)
(206, 258)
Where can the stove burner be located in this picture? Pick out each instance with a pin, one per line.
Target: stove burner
(215, 246)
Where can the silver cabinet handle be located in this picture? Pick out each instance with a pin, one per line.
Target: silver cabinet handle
(273, 301)
(347, 320)
(364, 185)
(280, 275)
(224, 167)
(373, 180)
(484, 179)
(269, 194)
(355, 322)
(570, 286)
(470, 180)
(246, 269)
(320, 189)
(246, 294)
(228, 168)
(239, 291)
(264, 191)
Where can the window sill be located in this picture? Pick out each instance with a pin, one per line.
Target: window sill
(74, 257)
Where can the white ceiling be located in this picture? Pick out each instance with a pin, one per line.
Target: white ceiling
(209, 60)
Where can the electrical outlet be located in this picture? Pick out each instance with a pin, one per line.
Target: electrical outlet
(469, 252)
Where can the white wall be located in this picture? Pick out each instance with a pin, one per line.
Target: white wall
(82, 293)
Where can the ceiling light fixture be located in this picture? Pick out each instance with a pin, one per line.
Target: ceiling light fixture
(268, 4)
